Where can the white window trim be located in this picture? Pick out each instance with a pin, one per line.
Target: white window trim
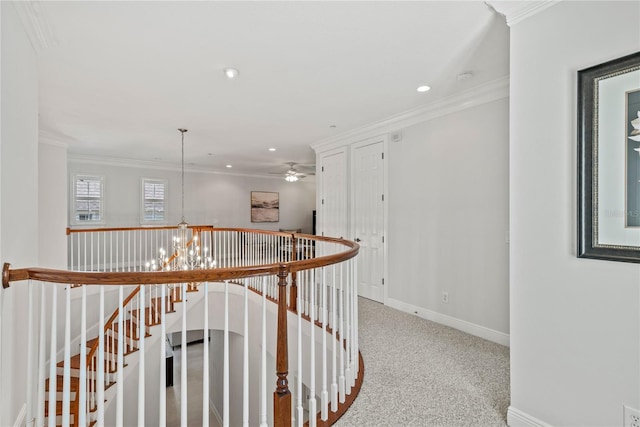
(164, 182)
(72, 210)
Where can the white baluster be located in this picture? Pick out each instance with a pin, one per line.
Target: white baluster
(312, 356)
(356, 356)
(90, 266)
(162, 419)
(225, 375)
(324, 395)
(183, 360)
(52, 358)
(205, 360)
(341, 379)
(82, 382)
(100, 356)
(347, 308)
(263, 358)
(334, 341)
(120, 364)
(245, 367)
(30, 352)
(66, 379)
(141, 353)
(41, 356)
(84, 264)
(299, 408)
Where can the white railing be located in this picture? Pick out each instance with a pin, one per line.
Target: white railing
(263, 283)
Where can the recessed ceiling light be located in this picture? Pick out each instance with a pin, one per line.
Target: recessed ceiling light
(229, 166)
(423, 88)
(272, 149)
(231, 73)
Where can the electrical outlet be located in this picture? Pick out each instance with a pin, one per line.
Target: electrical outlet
(631, 417)
(445, 300)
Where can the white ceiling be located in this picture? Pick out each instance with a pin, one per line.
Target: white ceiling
(118, 78)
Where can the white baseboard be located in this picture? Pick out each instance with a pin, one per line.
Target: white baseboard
(462, 325)
(517, 418)
(20, 419)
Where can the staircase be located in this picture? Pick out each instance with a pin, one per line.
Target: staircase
(131, 334)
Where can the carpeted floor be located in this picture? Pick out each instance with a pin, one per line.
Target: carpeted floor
(421, 373)
(417, 373)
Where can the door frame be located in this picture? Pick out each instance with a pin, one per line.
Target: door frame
(384, 139)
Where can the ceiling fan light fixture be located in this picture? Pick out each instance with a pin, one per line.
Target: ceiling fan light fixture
(291, 178)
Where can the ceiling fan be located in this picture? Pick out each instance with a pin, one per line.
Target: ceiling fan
(296, 171)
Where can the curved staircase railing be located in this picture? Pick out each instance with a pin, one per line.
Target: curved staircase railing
(284, 282)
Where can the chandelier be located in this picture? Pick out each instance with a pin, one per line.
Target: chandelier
(187, 254)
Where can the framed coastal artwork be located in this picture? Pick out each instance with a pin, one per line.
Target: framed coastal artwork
(265, 206)
(609, 160)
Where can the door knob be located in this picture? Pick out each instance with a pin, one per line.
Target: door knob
(357, 240)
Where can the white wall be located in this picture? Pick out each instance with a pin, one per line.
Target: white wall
(448, 219)
(18, 200)
(52, 203)
(221, 200)
(575, 325)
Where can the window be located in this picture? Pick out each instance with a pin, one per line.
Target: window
(88, 199)
(154, 193)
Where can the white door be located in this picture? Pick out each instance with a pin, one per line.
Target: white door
(333, 219)
(367, 167)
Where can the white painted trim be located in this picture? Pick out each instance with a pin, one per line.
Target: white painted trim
(488, 92)
(53, 143)
(517, 11)
(320, 190)
(517, 418)
(49, 138)
(36, 25)
(384, 140)
(148, 164)
(453, 322)
(20, 421)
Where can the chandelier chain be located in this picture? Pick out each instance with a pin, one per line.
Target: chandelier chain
(182, 131)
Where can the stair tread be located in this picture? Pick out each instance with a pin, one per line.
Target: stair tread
(112, 346)
(59, 408)
(75, 364)
(131, 331)
(75, 381)
(149, 316)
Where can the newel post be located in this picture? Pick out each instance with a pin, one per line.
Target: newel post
(282, 395)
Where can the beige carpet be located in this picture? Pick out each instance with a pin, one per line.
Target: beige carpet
(420, 373)
(417, 373)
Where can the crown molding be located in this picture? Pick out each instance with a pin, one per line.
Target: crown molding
(36, 24)
(149, 164)
(488, 92)
(517, 11)
(49, 138)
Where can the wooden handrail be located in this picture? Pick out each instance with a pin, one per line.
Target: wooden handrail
(165, 277)
(282, 394)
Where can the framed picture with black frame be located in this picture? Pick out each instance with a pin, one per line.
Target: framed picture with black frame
(609, 160)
